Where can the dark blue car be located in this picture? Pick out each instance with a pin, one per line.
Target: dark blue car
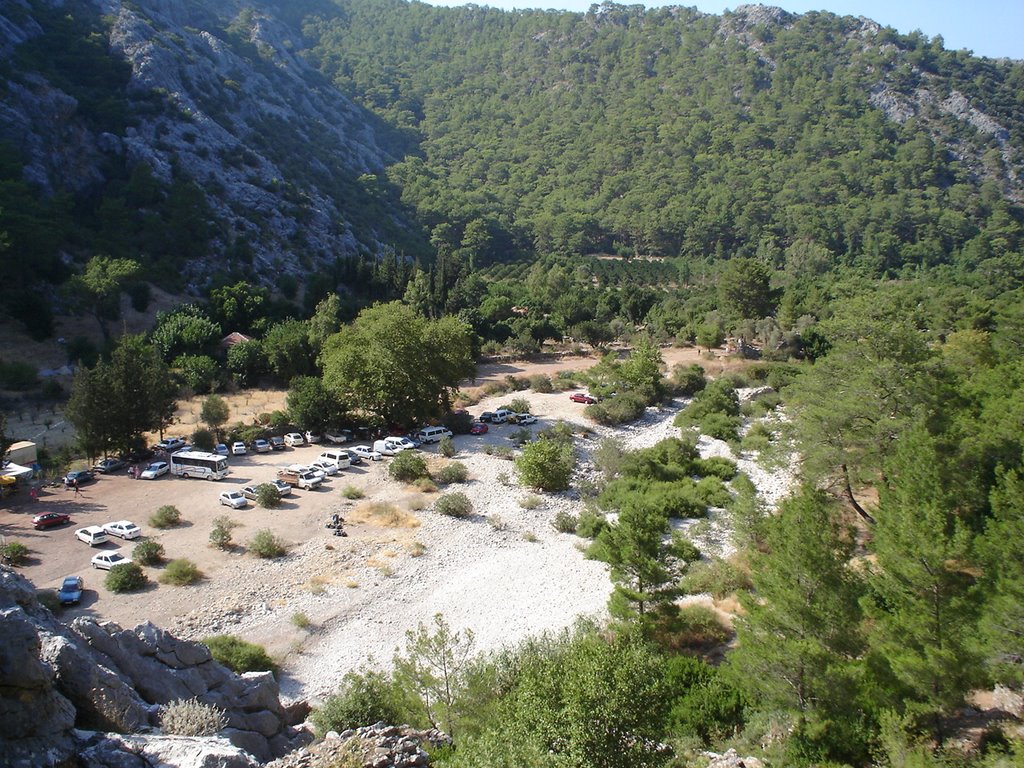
(71, 590)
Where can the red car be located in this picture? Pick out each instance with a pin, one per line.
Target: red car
(477, 428)
(579, 397)
(50, 519)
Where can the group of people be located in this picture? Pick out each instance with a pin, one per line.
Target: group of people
(338, 524)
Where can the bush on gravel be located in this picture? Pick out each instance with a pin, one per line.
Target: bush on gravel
(407, 467)
(454, 505)
(167, 516)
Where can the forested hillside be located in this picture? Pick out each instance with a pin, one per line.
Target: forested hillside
(674, 133)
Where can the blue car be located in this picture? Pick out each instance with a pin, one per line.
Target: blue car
(71, 590)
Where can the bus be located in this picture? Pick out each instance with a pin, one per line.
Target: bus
(209, 466)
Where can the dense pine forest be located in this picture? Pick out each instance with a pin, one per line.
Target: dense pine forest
(843, 198)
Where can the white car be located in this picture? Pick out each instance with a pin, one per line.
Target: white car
(154, 470)
(92, 535)
(283, 489)
(170, 444)
(238, 448)
(366, 452)
(125, 529)
(107, 560)
(525, 418)
(311, 437)
(294, 439)
(222, 449)
(261, 446)
(250, 492)
(233, 499)
(322, 465)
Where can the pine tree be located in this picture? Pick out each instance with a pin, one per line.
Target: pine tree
(799, 635)
(921, 601)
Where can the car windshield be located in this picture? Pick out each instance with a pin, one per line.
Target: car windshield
(70, 584)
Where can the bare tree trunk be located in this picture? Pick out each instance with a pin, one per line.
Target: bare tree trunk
(848, 492)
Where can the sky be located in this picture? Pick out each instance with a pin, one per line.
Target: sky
(993, 28)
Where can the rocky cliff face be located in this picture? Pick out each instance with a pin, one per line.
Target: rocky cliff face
(96, 690)
(222, 100)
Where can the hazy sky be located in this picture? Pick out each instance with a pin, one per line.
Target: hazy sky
(992, 28)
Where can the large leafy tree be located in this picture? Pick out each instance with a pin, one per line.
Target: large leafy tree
(112, 404)
(397, 364)
(99, 286)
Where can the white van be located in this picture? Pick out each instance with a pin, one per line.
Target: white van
(390, 446)
(338, 458)
(433, 434)
(502, 415)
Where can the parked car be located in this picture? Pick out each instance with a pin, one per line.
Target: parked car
(170, 444)
(277, 443)
(222, 449)
(353, 458)
(478, 428)
(283, 489)
(323, 465)
(78, 477)
(238, 448)
(107, 560)
(154, 470)
(486, 417)
(391, 446)
(261, 446)
(580, 397)
(311, 437)
(294, 439)
(124, 529)
(523, 418)
(109, 465)
(70, 591)
(365, 452)
(249, 491)
(233, 499)
(338, 436)
(433, 434)
(92, 535)
(50, 520)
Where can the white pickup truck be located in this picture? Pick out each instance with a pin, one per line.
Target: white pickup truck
(306, 480)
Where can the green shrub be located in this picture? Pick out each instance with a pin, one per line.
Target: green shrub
(148, 552)
(407, 466)
(361, 699)
(685, 550)
(301, 620)
(530, 502)
(564, 522)
(499, 451)
(590, 523)
(698, 626)
(719, 578)
(203, 440)
(266, 545)
(716, 466)
(519, 405)
(521, 436)
(546, 464)
(455, 472)
(721, 426)
(446, 447)
(167, 516)
(220, 536)
(49, 599)
(17, 376)
(351, 492)
(458, 422)
(180, 573)
(14, 553)
(239, 655)
(620, 409)
(426, 485)
(688, 380)
(125, 577)
(267, 496)
(541, 383)
(190, 717)
(454, 505)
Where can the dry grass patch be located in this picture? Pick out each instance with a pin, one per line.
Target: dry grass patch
(385, 569)
(417, 502)
(416, 548)
(384, 515)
